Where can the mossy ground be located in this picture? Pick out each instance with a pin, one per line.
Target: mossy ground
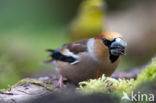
(108, 85)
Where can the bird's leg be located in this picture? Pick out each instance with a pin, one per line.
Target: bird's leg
(60, 82)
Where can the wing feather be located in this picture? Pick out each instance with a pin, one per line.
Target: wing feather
(69, 52)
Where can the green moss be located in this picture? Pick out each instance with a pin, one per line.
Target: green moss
(36, 82)
(113, 86)
(148, 75)
(48, 86)
(106, 85)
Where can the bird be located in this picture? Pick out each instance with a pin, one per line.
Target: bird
(89, 20)
(88, 58)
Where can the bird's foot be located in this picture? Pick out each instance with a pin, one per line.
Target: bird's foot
(60, 83)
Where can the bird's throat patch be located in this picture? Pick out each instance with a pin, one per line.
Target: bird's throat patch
(113, 58)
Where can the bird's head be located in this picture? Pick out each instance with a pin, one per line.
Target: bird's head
(112, 42)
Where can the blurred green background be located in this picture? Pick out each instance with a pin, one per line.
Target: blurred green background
(29, 27)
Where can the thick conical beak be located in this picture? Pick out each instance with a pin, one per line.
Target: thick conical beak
(117, 47)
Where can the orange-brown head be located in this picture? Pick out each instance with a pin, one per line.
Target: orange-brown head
(110, 44)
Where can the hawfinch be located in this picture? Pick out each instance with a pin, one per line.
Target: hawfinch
(89, 58)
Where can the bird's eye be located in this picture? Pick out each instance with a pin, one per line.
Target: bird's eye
(107, 42)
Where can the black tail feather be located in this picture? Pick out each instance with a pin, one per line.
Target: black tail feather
(50, 50)
(59, 56)
(56, 55)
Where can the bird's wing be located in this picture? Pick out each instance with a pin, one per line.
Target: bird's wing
(70, 52)
(77, 47)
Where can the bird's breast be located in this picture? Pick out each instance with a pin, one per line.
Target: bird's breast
(87, 68)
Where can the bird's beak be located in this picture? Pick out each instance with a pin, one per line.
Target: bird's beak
(117, 47)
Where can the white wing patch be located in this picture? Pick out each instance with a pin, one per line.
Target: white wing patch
(67, 52)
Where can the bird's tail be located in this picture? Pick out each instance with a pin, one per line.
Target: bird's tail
(50, 50)
(51, 59)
